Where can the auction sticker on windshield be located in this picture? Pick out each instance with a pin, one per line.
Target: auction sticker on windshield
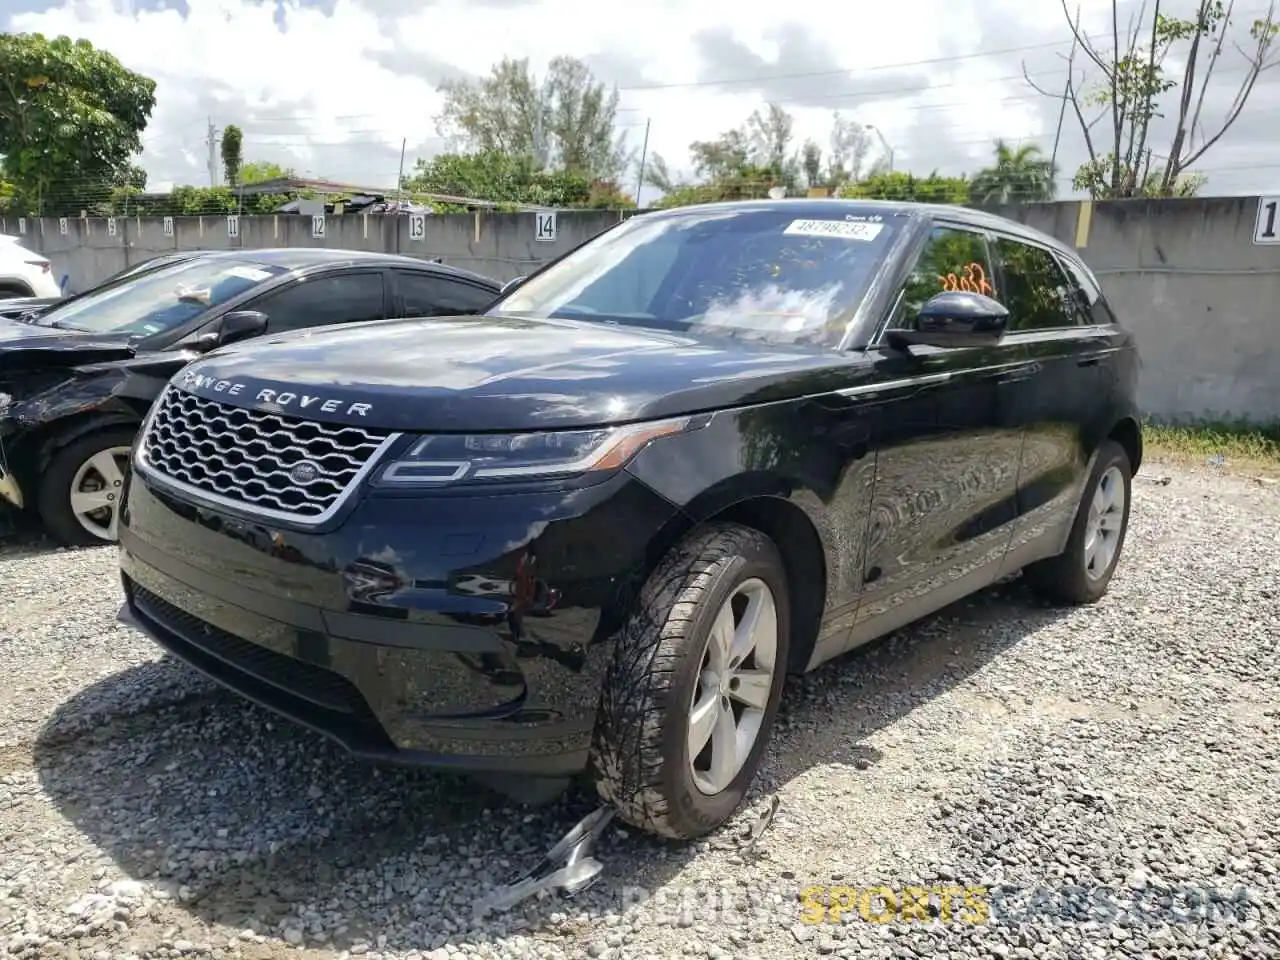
(248, 273)
(843, 229)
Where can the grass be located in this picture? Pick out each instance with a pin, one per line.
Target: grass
(1240, 444)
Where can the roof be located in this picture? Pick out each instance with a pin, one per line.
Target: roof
(817, 208)
(299, 258)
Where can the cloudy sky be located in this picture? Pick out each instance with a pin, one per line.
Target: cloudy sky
(332, 87)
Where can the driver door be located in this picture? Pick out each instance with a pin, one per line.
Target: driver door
(947, 438)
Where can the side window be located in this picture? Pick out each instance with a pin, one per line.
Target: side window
(1037, 292)
(345, 298)
(952, 259)
(431, 295)
(1088, 292)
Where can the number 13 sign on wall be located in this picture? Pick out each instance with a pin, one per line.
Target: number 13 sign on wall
(1267, 229)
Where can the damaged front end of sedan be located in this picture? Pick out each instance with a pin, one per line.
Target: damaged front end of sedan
(57, 394)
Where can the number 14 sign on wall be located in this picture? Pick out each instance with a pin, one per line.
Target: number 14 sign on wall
(1267, 229)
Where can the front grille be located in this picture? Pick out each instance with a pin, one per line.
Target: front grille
(249, 457)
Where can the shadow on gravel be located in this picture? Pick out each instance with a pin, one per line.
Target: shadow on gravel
(22, 536)
(247, 819)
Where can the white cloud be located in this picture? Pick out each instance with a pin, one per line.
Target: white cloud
(332, 90)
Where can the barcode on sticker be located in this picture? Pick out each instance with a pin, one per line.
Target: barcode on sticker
(845, 229)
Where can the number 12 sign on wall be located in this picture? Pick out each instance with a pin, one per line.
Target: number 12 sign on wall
(1267, 229)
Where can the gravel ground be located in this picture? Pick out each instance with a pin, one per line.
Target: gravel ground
(1107, 774)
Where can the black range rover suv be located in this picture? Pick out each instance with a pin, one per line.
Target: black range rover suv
(594, 527)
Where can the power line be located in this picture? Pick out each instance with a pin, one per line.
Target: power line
(843, 71)
(902, 64)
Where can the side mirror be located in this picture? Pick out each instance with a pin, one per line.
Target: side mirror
(511, 285)
(954, 318)
(233, 326)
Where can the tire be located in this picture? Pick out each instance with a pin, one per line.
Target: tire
(1067, 578)
(640, 758)
(55, 494)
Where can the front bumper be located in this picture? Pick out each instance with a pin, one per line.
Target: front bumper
(459, 632)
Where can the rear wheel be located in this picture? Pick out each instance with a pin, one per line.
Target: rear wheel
(79, 498)
(1083, 571)
(694, 685)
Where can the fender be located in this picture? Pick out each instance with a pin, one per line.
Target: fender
(91, 398)
(760, 466)
(19, 282)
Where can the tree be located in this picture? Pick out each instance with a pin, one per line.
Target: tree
(743, 162)
(722, 158)
(1133, 89)
(503, 177)
(811, 161)
(564, 122)
(232, 158)
(900, 185)
(769, 131)
(748, 160)
(71, 118)
(850, 144)
(1019, 174)
(260, 171)
(657, 174)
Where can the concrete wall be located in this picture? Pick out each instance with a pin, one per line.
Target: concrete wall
(499, 245)
(1202, 299)
(1184, 275)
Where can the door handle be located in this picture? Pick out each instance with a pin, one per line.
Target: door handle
(1088, 362)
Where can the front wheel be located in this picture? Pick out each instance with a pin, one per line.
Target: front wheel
(694, 684)
(1083, 571)
(79, 497)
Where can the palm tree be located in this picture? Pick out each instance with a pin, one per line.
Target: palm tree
(1019, 174)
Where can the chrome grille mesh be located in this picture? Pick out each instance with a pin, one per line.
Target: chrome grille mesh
(251, 457)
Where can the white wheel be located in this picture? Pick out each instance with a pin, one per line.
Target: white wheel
(733, 686)
(1083, 571)
(1105, 523)
(95, 492)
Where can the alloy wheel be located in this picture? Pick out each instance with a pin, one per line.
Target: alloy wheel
(1105, 523)
(95, 491)
(733, 686)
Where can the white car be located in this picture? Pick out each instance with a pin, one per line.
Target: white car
(24, 273)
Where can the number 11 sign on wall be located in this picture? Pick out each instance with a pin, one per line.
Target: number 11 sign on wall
(1267, 229)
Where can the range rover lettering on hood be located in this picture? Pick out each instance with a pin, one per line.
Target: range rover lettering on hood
(284, 399)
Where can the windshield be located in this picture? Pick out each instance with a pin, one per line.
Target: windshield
(160, 300)
(151, 263)
(756, 274)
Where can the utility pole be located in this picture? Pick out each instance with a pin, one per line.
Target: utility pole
(404, 141)
(212, 143)
(644, 152)
(884, 143)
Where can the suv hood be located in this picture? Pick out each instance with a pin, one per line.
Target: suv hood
(500, 373)
(31, 346)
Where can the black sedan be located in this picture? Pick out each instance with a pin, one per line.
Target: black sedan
(77, 380)
(13, 308)
(595, 527)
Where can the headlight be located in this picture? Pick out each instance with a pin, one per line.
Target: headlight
(462, 458)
